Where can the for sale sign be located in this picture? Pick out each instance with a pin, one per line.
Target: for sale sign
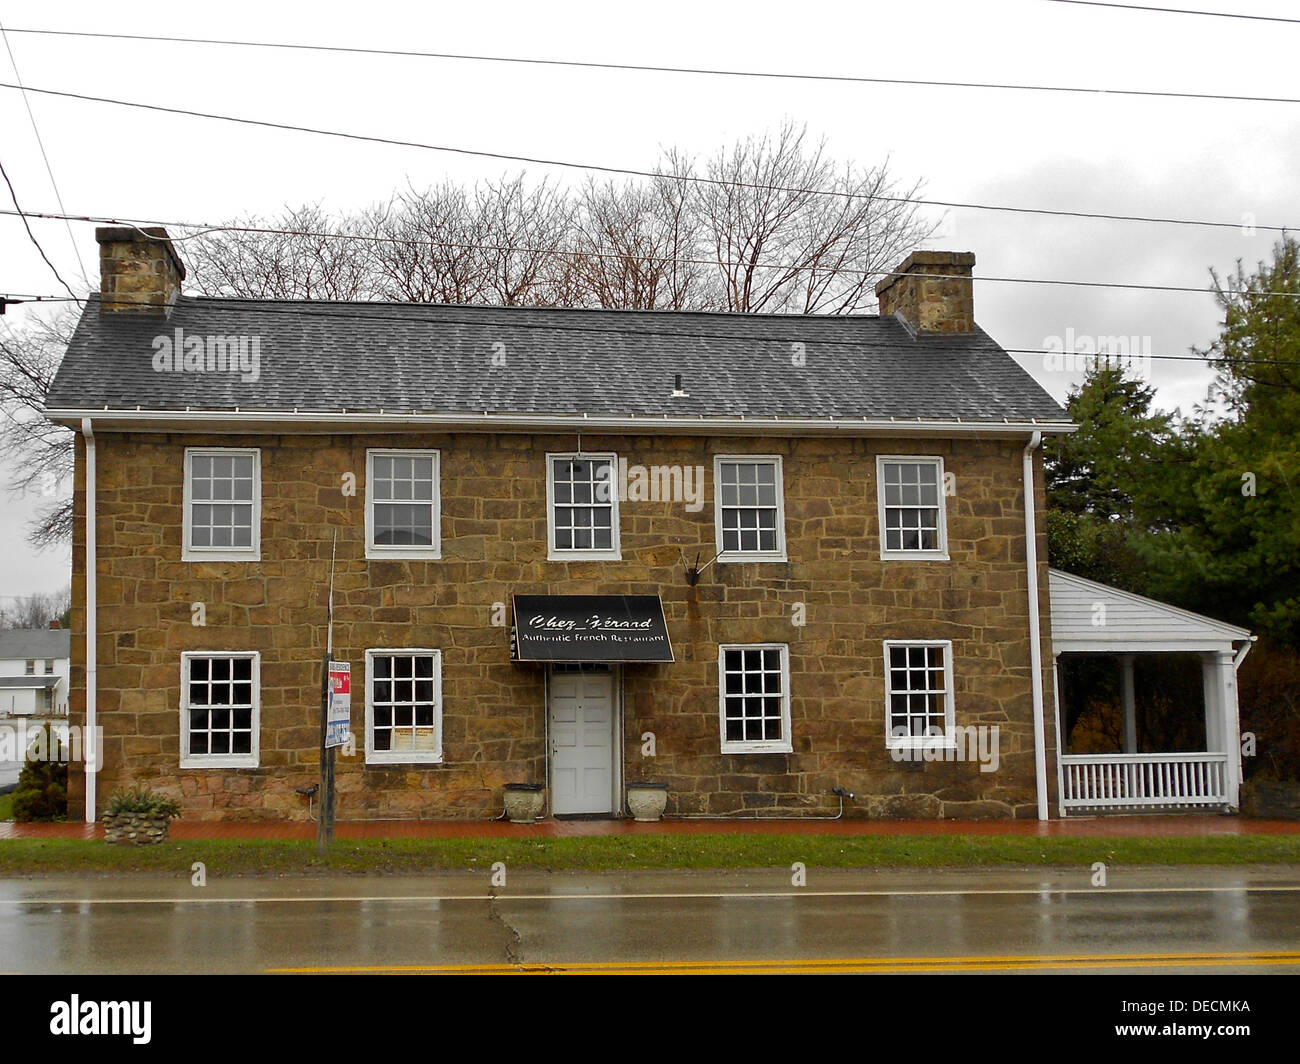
(338, 721)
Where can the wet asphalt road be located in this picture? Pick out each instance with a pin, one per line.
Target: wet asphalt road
(1173, 920)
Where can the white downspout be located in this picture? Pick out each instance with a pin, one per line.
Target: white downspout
(89, 746)
(1035, 647)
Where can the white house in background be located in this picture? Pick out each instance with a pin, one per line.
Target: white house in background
(1095, 619)
(34, 664)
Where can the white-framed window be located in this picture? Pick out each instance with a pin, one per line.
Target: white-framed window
(582, 507)
(404, 707)
(403, 504)
(220, 709)
(749, 507)
(223, 504)
(913, 518)
(918, 692)
(31, 667)
(754, 698)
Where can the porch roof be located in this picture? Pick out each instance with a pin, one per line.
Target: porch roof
(1092, 617)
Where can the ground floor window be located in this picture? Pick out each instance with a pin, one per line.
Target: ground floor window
(404, 706)
(219, 709)
(918, 691)
(754, 698)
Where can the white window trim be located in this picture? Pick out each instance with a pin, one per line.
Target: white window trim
(777, 555)
(784, 745)
(252, 553)
(248, 760)
(615, 553)
(413, 551)
(940, 554)
(916, 742)
(403, 757)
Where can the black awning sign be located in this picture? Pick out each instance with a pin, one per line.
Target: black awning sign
(590, 628)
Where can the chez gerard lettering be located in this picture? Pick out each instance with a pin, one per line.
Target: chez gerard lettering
(593, 623)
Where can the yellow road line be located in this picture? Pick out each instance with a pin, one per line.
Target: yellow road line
(794, 966)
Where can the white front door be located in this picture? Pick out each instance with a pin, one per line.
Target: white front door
(582, 741)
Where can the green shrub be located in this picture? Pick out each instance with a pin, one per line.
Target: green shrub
(140, 799)
(42, 792)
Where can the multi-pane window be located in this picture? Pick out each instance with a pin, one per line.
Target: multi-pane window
(755, 698)
(222, 500)
(583, 504)
(219, 710)
(31, 667)
(918, 686)
(404, 706)
(912, 518)
(748, 494)
(402, 504)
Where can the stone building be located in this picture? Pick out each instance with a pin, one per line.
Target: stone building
(757, 558)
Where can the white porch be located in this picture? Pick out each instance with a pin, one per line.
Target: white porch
(1094, 619)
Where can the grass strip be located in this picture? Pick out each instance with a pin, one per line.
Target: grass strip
(227, 857)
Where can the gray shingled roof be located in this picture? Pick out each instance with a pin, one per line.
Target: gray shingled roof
(416, 358)
(22, 644)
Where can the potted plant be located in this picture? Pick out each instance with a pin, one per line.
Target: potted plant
(524, 802)
(139, 817)
(646, 800)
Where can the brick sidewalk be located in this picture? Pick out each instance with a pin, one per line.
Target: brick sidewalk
(1166, 826)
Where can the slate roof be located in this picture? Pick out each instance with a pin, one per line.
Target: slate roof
(420, 358)
(22, 644)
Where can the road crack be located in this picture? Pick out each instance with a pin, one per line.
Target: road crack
(513, 939)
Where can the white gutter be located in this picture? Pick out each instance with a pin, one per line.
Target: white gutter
(89, 746)
(1035, 648)
(280, 421)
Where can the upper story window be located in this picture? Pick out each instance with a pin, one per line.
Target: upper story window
(49, 666)
(31, 667)
(220, 709)
(403, 507)
(582, 507)
(223, 504)
(749, 513)
(404, 707)
(754, 698)
(918, 692)
(913, 521)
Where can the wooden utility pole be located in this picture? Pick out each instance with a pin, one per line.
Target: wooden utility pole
(325, 818)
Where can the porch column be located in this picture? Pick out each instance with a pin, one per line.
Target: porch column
(1130, 707)
(1214, 736)
(1230, 722)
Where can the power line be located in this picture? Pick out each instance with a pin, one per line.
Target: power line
(581, 253)
(311, 310)
(1177, 11)
(26, 225)
(41, 144)
(630, 172)
(655, 69)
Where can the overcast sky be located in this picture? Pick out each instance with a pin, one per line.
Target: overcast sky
(1196, 159)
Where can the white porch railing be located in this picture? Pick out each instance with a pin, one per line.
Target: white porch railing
(1120, 781)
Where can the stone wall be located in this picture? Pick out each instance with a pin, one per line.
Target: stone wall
(494, 534)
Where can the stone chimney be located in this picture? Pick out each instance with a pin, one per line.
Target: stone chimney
(139, 271)
(931, 291)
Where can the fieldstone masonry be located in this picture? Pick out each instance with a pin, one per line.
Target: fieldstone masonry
(494, 534)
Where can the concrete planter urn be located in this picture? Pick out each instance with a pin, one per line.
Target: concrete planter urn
(135, 829)
(646, 801)
(524, 802)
